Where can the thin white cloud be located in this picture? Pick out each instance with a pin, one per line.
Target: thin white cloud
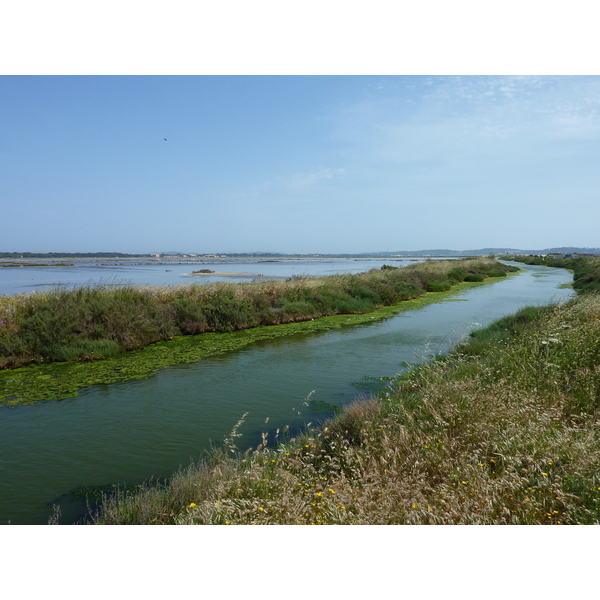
(302, 181)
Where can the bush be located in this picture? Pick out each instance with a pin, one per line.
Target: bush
(189, 317)
(224, 312)
(439, 286)
(496, 273)
(474, 278)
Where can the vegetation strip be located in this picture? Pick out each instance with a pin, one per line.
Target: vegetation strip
(87, 324)
(56, 381)
(503, 430)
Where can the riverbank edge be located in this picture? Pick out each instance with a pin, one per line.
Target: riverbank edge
(585, 269)
(501, 430)
(58, 381)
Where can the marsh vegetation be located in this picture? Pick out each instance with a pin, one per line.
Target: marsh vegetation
(95, 322)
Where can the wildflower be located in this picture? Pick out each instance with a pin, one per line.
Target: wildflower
(192, 505)
(319, 494)
(545, 474)
(415, 505)
(227, 522)
(261, 508)
(330, 490)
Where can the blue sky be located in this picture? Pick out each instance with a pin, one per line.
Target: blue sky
(301, 164)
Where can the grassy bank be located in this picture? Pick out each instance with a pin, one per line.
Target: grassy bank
(586, 269)
(503, 430)
(56, 381)
(91, 323)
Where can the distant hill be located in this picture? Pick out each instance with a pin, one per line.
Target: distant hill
(382, 254)
(487, 251)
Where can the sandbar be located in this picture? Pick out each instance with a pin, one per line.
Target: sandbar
(227, 274)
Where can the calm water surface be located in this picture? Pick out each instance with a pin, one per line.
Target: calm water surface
(18, 280)
(128, 432)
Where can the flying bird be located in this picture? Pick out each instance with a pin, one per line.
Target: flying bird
(165, 139)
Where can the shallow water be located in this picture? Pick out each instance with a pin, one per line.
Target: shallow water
(18, 280)
(128, 432)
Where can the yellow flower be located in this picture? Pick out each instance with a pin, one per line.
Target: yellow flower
(331, 491)
(415, 505)
(261, 508)
(319, 494)
(192, 505)
(545, 474)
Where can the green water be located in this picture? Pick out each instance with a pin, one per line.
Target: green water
(127, 432)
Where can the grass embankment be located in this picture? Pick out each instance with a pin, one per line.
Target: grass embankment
(586, 269)
(91, 323)
(503, 430)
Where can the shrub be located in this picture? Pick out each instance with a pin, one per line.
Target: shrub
(496, 273)
(224, 312)
(189, 317)
(439, 286)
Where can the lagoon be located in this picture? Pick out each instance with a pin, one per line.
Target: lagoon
(128, 432)
(19, 280)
